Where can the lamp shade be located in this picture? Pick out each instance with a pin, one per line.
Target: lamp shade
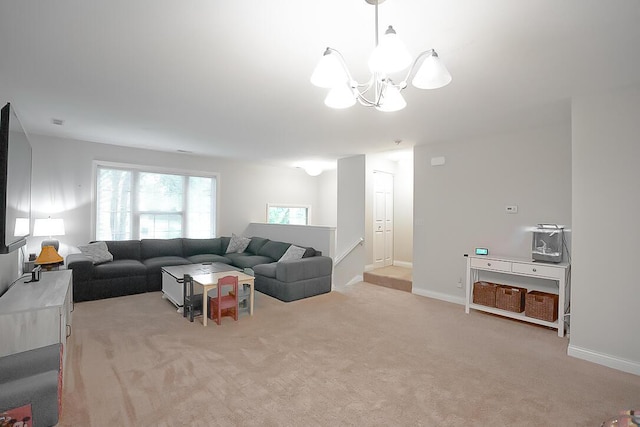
(48, 255)
(22, 227)
(432, 74)
(391, 55)
(340, 97)
(391, 99)
(329, 72)
(49, 227)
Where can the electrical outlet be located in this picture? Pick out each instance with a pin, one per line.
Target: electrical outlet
(460, 282)
(512, 209)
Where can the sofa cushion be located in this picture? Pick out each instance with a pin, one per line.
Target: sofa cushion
(273, 249)
(153, 248)
(232, 257)
(192, 247)
(268, 270)
(119, 268)
(238, 244)
(207, 258)
(296, 270)
(33, 378)
(98, 252)
(294, 252)
(124, 249)
(155, 264)
(255, 245)
(249, 261)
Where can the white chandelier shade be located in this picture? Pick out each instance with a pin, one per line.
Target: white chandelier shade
(432, 74)
(391, 99)
(329, 72)
(389, 56)
(340, 96)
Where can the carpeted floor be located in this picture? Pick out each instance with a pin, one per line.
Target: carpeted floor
(365, 356)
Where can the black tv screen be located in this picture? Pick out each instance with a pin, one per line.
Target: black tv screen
(15, 182)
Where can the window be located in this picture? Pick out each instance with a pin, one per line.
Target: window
(288, 214)
(133, 203)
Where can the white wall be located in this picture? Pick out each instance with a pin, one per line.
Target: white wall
(351, 214)
(326, 209)
(9, 269)
(403, 212)
(461, 205)
(605, 319)
(62, 184)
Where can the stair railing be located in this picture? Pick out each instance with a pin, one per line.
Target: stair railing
(354, 245)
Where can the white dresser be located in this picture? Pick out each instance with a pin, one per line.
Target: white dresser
(36, 314)
(554, 278)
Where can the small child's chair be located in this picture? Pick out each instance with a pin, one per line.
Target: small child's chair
(225, 303)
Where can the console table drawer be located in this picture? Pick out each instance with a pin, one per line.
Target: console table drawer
(491, 264)
(538, 270)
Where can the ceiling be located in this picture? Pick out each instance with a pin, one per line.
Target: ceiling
(231, 78)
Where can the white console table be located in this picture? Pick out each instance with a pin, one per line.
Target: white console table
(36, 314)
(550, 273)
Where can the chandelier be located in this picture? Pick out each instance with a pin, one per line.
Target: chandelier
(388, 57)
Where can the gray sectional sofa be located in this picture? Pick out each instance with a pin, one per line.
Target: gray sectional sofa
(136, 267)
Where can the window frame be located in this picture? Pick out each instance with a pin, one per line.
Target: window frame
(96, 164)
(288, 205)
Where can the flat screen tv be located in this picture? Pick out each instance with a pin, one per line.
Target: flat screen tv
(15, 182)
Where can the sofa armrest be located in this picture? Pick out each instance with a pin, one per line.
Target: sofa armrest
(303, 269)
(31, 362)
(81, 265)
(33, 377)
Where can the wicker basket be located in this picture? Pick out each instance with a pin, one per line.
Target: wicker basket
(484, 293)
(542, 305)
(510, 298)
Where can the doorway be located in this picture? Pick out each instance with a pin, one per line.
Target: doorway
(382, 219)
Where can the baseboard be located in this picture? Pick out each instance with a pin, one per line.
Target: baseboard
(355, 280)
(438, 295)
(624, 365)
(403, 264)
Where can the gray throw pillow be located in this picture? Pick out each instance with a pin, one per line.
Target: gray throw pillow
(97, 251)
(238, 244)
(294, 252)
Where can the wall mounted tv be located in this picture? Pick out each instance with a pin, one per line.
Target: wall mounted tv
(15, 182)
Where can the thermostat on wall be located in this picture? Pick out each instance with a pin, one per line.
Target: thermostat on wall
(482, 251)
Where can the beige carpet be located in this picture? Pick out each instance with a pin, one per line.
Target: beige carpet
(366, 356)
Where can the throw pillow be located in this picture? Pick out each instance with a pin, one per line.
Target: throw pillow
(294, 252)
(238, 244)
(97, 251)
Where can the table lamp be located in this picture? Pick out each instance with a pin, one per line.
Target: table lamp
(21, 228)
(49, 258)
(49, 227)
